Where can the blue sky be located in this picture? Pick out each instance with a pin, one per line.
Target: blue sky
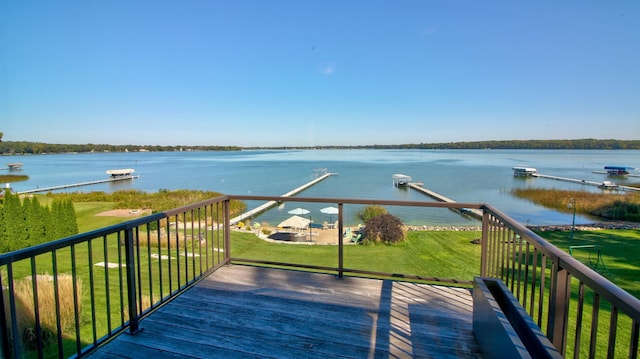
(316, 73)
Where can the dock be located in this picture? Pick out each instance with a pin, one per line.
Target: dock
(585, 182)
(267, 205)
(89, 183)
(466, 211)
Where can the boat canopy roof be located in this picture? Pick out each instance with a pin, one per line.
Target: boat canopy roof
(400, 176)
(618, 168)
(524, 169)
(121, 172)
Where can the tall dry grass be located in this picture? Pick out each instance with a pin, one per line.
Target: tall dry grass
(26, 313)
(146, 304)
(613, 205)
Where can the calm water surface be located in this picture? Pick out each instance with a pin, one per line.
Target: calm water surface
(464, 175)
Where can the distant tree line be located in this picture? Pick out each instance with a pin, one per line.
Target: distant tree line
(580, 144)
(35, 148)
(27, 223)
(10, 148)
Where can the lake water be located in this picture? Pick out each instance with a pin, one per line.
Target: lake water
(476, 176)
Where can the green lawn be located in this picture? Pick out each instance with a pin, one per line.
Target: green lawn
(445, 254)
(620, 252)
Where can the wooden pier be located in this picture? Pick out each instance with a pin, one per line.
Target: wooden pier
(53, 188)
(270, 204)
(466, 211)
(585, 182)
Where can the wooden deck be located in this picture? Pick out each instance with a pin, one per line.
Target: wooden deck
(249, 312)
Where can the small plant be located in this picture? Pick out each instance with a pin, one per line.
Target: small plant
(384, 228)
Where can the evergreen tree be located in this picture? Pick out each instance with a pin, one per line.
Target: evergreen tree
(14, 221)
(3, 235)
(35, 221)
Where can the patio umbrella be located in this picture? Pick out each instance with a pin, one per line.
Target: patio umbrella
(299, 211)
(294, 222)
(330, 211)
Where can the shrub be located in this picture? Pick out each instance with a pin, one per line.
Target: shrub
(371, 211)
(384, 228)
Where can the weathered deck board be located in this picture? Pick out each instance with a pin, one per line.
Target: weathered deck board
(242, 311)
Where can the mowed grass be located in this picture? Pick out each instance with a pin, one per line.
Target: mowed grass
(619, 249)
(437, 254)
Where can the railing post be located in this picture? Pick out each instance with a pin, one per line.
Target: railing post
(559, 297)
(227, 231)
(340, 243)
(4, 332)
(484, 243)
(131, 281)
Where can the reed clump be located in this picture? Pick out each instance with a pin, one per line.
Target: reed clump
(612, 205)
(26, 312)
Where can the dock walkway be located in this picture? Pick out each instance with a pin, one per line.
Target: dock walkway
(468, 211)
(584, 182)
(270, 204)
(53, 188)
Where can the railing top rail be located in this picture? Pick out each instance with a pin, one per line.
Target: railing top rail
(358, 201)
(594, 280)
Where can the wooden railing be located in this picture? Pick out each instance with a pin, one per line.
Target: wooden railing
(147, 262)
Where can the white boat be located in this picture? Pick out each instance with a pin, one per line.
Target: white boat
(124, 172)
(401, 180)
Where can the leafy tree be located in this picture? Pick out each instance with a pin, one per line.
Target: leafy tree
(371, 212)
(384, 228)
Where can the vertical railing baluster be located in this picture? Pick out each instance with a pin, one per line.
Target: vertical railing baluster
(527, 250)
(484, 244)
(131, 280)
(149, 265)
(512, 259)
(36, 306)
(76, 307)
(200, 238)
(186, 254)
(121, 284)
(633, 343)
(4, 331)
(158, 240)
(56, 299)
(227, 232)
(495, 251)
(519, 270)
(543, 276)
(12, 309)
(107, 286)
(580, 310)
(169, 265)
(135, 240)
(613, 330)
(92, 289)
(340, 241)
(594, 326)
(503, 254)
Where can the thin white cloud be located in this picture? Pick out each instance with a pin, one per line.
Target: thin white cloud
(327, 69)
